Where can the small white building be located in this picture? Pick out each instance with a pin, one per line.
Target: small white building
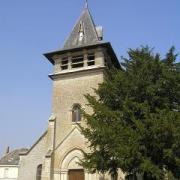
(9, 165)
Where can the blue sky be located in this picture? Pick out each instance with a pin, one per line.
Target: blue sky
(30, 28)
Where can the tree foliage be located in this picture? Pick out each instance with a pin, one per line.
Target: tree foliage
(135, 124)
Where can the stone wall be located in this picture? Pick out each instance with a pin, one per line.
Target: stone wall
(35, 157)
(68, 90)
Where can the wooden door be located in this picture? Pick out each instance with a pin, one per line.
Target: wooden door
(76, 174)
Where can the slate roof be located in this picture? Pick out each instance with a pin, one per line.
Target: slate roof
(12, 158)
(89, 30)
(93, 37)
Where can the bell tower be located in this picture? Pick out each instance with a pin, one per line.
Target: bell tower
(78, 68)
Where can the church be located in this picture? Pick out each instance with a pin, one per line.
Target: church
(78, 68)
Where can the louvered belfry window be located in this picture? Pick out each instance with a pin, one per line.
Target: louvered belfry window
(77, 61)
(76, 113)
(91, 59)
(64, 63)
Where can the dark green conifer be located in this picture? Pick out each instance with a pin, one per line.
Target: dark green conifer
(135, 124)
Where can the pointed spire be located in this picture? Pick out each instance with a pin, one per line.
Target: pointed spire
(86, 4)
(84, 32)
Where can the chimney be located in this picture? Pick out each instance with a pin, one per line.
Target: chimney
(7, 150)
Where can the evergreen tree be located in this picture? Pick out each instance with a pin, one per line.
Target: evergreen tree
(135, 124)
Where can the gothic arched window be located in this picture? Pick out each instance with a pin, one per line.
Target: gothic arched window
(39, 172)
(76, 113)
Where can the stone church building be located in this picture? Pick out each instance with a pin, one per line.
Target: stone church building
(77, 68)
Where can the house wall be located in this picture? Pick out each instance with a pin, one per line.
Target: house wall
(8, 172)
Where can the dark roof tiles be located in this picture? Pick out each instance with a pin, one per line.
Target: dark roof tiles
(12, 158)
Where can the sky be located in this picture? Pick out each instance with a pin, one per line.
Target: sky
(29, 28)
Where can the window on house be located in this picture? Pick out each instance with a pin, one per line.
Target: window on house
(6, 172)
(76, 113)
(77, 61)
(64, 63)
(39, 172)
(91, 59)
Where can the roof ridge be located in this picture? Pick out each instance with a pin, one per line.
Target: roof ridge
(94, 25)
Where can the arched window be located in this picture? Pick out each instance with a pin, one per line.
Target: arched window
(76, 113)
(39, 172)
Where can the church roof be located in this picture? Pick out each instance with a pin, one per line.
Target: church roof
(84, 32)
(12, 158)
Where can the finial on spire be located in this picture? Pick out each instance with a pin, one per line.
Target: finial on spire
(86, 4)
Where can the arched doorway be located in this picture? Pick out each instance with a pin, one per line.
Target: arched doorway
(76, 174)
(70, 163)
